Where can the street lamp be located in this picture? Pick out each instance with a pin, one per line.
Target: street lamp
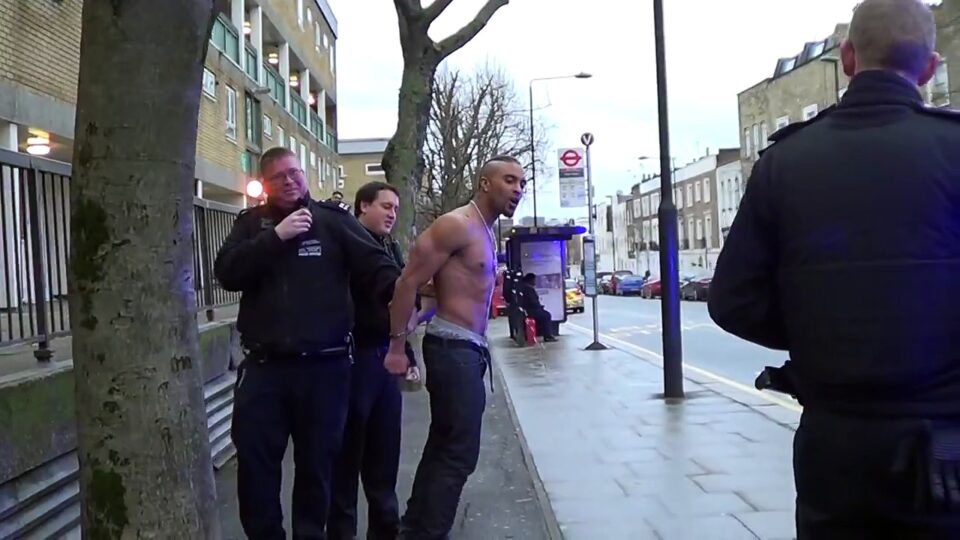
(533, 154)
(669, 254)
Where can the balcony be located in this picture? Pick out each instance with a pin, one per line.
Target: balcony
(276, 84)
(331, 140)
(226, 38)
(316, 126)
(251, 62)
(298, 109)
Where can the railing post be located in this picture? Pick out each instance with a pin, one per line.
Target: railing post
(43, 352)
(206, 280)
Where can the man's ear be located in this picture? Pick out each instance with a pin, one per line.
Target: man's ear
(484, 184)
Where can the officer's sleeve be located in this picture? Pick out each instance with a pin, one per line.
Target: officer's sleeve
(744, 298)
(368, 261)
(245, 254)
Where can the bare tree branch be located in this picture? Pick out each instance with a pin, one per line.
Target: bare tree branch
(453, 43)
(472, 118)
(435, 9)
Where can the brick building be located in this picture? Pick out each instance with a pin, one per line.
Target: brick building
(360, 162)
(269, 80)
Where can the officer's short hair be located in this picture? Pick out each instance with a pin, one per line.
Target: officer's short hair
(273, 154)
(893, 34)
(369, 193)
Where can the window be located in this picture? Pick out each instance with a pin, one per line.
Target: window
(783, 122)
(708, 228)
(300, 13)
(293, 145)
(267, 126)
(313, 159)
(696, 191)
(326, 41)
(756, 142)
(309, 17)
(374, 169)
(231, 114)
(645, 210)
(655, 203)
(316, 36)
(689, 195)
(303, 156)
(340, 172)
(678, 197)
(210, 84)
(809, 111)
(764, 136)
(252, 116)
(690, 235)
(747, 149)
(706, 190)
(699, 229)
(280, 136)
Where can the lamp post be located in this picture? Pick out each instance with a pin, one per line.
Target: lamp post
(533, 150)
(669, 257)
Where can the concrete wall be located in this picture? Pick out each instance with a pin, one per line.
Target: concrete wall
(37, 415)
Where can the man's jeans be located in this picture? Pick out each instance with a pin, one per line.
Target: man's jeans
(454, 372)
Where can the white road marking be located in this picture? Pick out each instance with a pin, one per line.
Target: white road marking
(642, 351)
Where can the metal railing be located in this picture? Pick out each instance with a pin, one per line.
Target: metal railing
(35, 247)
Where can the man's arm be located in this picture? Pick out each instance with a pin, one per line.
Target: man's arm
(245, 255)
(443, 238)
(744, 296)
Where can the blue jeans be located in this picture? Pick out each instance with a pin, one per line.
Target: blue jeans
(454, 373)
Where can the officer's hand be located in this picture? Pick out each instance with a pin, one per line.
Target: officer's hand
(396, 363)
(294, 224)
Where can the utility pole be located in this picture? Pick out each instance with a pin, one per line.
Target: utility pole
(670, 300)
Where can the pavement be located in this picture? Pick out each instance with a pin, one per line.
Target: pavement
(615, 460)
(498, 502)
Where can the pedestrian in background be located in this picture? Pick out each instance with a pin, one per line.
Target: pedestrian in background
(293, 260)
(845, 252)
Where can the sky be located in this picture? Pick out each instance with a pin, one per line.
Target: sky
(714, 50)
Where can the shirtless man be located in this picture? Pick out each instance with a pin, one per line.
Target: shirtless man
(458, 251)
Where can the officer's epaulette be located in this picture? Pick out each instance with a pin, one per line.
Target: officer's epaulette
(790, 129)
(335, 205)
(940, 112)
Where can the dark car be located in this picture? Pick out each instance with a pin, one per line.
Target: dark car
(696, 289)
(629, 285)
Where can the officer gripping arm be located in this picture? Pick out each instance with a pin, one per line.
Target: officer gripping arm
(744, 299)
(367, 260)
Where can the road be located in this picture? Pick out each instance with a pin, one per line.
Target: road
(637, 321)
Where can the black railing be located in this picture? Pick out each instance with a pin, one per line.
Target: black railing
(35, 245)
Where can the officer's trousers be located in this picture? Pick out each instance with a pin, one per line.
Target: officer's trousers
(305, 400)
(454, 373)
(866, 478)
(370, 450)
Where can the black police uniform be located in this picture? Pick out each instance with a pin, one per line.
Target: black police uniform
(371, 445)
(846, 252)
(295, 323)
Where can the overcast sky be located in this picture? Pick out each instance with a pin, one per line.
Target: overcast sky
(715, 49)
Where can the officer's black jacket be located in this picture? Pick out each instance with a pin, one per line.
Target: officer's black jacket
(372, 328)
(846, 252)
(296, 295)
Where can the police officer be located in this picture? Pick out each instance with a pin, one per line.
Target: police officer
(293, 259)
(371, 447)
(846, 253)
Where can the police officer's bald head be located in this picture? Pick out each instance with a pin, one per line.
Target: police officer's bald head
(892, 35)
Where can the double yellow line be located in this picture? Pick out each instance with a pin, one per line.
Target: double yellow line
(656, 357)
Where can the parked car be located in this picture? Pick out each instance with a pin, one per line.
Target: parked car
(696, 289)
(606, 284)
(574, 296)
(629, 285)
(652, 288)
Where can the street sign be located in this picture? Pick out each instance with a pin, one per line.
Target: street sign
(589, 267)
(586, 139)
(573, 177)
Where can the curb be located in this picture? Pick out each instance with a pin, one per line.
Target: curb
(549, 517)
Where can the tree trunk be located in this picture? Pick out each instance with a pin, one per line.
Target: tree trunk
(145, 467)
(403, 161)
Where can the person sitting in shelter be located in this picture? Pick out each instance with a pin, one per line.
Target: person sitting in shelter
(530, 302)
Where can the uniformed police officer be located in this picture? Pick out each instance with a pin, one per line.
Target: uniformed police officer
(846, 253)
(293, 259)
(371, 446)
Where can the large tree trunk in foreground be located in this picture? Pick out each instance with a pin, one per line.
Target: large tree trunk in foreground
(145, 468)
(402, 161)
